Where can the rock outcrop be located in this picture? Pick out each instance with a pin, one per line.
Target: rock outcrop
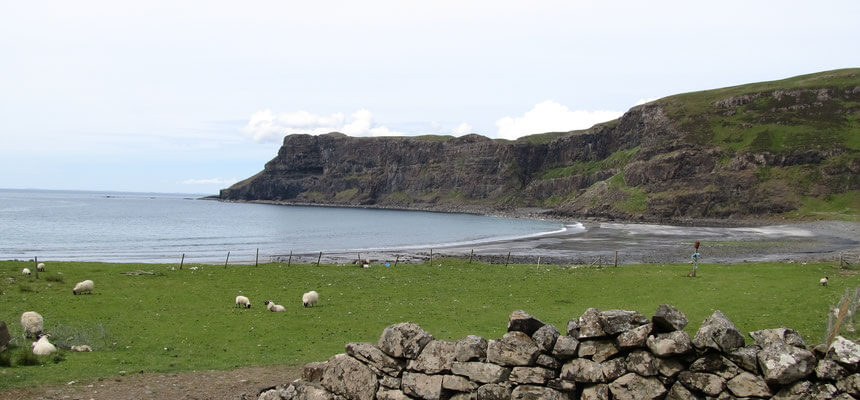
(544, 364)
(750, 151)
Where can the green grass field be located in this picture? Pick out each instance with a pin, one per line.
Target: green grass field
(186, 320)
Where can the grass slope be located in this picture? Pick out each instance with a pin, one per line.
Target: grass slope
(186, 319)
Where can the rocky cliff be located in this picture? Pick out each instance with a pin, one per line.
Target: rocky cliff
(789, 148)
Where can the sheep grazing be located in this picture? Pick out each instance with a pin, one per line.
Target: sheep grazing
(43, 347)
(823, 281)
(31, 323)
(25, 271)
(82, 347)
(40, 267)
(242, 301)
(274, 307)
(310, 299)
(83, 287)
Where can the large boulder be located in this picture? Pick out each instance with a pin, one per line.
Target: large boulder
(515, 348)
(523, 322)
(404, 340)
(668, 319)
(783, 364)
(349, 378)
(437, 356)
(471, 348)
(614, 322)
(481, 372)
(670, 344)
(635, 387)
(719, 333)
(422, 386)
(370, 354)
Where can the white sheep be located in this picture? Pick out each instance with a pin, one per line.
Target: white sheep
(86, 286)
(43, 347)
(823, 281)
(274, 307)
(25, 271)
(310, 299)
(40, 267)
(82, 347)
(31, 323)
(243, 301)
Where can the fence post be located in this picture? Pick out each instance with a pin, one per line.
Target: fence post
(228, 259)
(318, 259)
(470, 255)
(508, 259)
(257, 258)
(616, 258)
(182, 261)
(290, 260)
(396, 259)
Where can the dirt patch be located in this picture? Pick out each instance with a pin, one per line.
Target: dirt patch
(182, 385)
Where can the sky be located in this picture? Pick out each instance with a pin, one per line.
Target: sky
(192, 96)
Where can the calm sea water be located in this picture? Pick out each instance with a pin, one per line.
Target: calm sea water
(154, 227)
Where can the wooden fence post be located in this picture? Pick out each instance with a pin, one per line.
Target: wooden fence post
(508, 259)
(396, 259)
(616, 258)
(290, 260)
(228, 259)
(470, 255)
(257, 258)
(318, 259)
(36, 266)
(182, 261)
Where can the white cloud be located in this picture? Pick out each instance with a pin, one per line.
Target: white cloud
(462, 129)
(550, 116)
(266, 126)
(212, 181)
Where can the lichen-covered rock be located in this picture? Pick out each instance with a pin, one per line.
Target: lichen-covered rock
(515, 348)
(825, 391)
(669, 367)
(562, 385)
(706, 383)
(471, 348)
(613, 369)
(422, 386)
(670, 344)
(597, 391)
(614, 322)
(745, 357)
(531, 375)
(436, 357)
(635, 387)
(565, 347)
(797, 391)
(458, 383)
(389, 381)
(746, 384)
(494, 391)
(523, 322)
(573, 328)
(715, 364)
(589, 324)
(582, 370)
(849, 384)
(404, 340)
(642, 363)
(370, 354)
(598, 350)
(313, 372)
(765, 337)
(306, 391)
(719, 333)
(350, 378)
(533, 392)
(783, 364)
(545, 337)
(830, 370)
(547, 361)
(481, 372)
(680, 392)
(634, 338)
(844, 351)
(390, 394)
(668, 319)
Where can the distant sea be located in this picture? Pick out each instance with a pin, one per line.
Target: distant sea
(159, 228)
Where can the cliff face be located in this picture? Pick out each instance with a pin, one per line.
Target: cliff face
(747, 151)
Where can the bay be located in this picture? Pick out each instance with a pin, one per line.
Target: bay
(159, 228)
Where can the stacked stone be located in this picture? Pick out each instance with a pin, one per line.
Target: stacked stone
(614, 354)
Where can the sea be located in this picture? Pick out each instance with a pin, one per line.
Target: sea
(164, 228)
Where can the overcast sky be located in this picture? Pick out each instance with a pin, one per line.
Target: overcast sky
(182, 96)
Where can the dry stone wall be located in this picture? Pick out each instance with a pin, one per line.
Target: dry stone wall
(602, 355)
